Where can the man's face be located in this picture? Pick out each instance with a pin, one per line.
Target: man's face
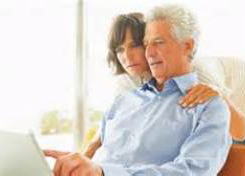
(166, 56)
(132, 56)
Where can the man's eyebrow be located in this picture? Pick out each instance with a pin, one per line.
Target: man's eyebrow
(158, 38)
(154, 39)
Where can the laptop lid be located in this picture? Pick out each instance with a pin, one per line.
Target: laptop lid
(21, 156)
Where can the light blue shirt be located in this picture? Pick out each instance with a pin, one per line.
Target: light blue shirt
(147, 133)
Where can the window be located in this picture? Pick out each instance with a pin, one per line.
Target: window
(37, 64)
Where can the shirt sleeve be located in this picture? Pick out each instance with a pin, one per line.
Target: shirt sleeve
(109, 114)
(102, 129)
(202, 154)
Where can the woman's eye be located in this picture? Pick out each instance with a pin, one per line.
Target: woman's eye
(134, 45)
(119, 49)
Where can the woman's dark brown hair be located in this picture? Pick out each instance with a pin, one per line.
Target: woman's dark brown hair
(133, 21)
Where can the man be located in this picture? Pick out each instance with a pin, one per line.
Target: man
(146, 132)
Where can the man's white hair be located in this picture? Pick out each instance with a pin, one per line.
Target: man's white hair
(181, 19)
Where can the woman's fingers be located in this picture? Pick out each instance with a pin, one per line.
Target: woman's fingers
(197, 94)
(207, 96)
(201, 98)
(192, 94)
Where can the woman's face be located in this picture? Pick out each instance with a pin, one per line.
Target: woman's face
(132, 56)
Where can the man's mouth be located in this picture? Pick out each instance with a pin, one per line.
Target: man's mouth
(155, 63)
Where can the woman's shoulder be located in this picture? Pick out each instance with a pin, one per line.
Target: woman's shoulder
(124, 83)
(208, 69)
(211, 71)
(207, 64)
(219, 63)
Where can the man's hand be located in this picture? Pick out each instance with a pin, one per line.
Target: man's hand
(73, 164)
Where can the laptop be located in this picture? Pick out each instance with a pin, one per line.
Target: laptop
(20, 155)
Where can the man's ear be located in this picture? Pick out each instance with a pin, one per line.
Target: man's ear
(188, 46)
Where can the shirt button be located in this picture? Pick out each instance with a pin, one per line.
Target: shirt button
(159, 97)
(190, 111)
(125, 163)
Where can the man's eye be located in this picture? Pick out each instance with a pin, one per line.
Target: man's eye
(159, 41)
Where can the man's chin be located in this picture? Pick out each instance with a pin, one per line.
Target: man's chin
(158, 76)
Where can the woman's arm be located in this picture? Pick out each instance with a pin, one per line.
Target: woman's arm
(237, 125)
(93, 146)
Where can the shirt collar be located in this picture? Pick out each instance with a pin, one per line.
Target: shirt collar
(183, 83)
(186, 81)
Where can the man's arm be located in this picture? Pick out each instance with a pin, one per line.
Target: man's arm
(79, 165)
(202, 92)
(203, 153)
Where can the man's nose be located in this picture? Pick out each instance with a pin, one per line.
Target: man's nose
(150, 51)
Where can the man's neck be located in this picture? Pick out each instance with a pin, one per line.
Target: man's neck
(160, 83)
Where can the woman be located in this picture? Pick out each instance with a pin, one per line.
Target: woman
(126, 57)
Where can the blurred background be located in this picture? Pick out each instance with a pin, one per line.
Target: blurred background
(39, 43)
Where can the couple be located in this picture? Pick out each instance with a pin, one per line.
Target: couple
(146, 131)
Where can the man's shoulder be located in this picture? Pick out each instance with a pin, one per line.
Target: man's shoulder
(215, 106)
(216, 101)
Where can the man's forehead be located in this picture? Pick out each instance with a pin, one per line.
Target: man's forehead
(158, 22)
(156, 29)
(154, 35)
